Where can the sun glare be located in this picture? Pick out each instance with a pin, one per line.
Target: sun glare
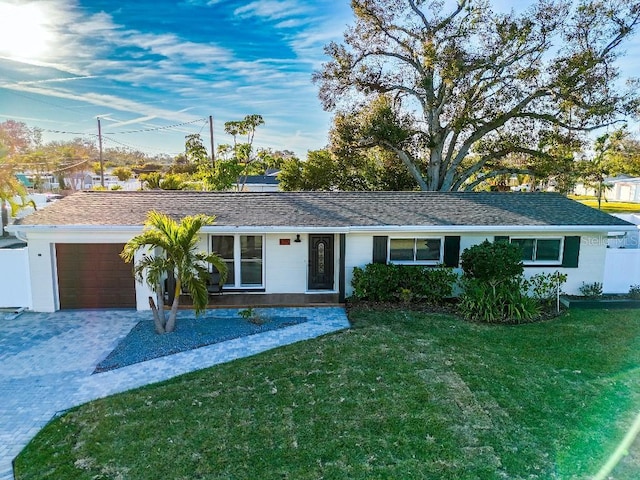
(24, 32)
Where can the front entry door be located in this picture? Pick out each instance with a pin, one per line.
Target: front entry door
(320, 262)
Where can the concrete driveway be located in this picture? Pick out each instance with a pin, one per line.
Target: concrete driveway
(47, 360)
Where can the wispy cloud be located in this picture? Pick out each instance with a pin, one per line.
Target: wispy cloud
(135, 70)
(57, 80)
(272, 9)
(132, 121)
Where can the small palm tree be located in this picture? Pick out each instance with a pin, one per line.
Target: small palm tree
(177, 243)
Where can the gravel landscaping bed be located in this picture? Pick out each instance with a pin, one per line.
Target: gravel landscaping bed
(142, 343)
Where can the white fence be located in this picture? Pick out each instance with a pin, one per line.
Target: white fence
(621, 270)
(15, 284)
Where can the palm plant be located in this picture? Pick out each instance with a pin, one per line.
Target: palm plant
(176, 254)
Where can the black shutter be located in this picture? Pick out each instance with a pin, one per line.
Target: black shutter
(452, 251)
(571, 252)
(501, 238)
(380, 249)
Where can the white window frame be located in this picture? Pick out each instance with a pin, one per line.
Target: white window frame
(535, 250)
(415, 238)
(237, 260)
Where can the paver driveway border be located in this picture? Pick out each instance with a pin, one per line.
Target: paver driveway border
(47, 361)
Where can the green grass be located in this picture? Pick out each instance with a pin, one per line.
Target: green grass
(401, 395)
(609, 207)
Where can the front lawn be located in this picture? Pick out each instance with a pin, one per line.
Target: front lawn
(400, 395)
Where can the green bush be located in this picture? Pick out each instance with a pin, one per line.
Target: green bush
(502, 303)
(494, 290)
(406, 283)
(493, 262)
(544, 286)
(634, 292)
(591, 290)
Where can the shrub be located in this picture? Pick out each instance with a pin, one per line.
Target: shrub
(503, 303)
(494, 289)
(634, 292)
(591, 290)
(407, 283)
(492, 262)
(544, 286)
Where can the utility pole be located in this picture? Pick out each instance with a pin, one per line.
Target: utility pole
(213, 154)
(100, 145)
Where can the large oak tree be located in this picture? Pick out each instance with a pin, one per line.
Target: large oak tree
(455, 90)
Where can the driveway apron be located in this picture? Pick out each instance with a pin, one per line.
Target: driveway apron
(47, 362)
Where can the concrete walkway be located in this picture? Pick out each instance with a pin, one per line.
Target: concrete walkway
(47, 360)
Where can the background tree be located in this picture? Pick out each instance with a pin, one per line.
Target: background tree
(177, 244)
(18, 138)
(318, 172)
(452, 93)
(624, 153)
(12, 192)
(614, 153)
(122, 173)
(370, 169)
(151, 180)
(243, 151)
(195, 151)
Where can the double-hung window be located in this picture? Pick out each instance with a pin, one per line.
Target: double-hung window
(422, 251)
(243, 255)
(540, 250)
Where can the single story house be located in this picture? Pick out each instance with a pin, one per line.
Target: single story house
(301, 247)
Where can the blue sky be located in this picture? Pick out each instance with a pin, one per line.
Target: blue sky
(148, 65)
(142, 64)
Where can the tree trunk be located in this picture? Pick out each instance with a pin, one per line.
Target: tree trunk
(171, 322)
(433, 170)
(159, 325)
(161, 315)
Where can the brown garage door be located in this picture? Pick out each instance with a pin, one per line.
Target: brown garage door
(94, 276)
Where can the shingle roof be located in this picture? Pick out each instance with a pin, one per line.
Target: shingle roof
(325, 209)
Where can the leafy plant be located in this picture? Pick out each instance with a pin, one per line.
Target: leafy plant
(405, 295)
(504, 303)
(634, 292)
(151, 180)
(407, 283)
(591, 290)
(494, 289)
(252, 316)
(492, 262)
(544, 287)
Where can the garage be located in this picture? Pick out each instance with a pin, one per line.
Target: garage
(92, 275)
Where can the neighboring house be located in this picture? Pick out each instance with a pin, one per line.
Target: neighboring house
(301, 247)
(258, 183)
(622, 188)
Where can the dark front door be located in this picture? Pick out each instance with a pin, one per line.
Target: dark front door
(320, 262)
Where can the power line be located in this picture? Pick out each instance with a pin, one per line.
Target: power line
(157, 128)
(67, 133)
(134, 147)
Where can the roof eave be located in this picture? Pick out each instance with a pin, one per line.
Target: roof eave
(17, 229)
